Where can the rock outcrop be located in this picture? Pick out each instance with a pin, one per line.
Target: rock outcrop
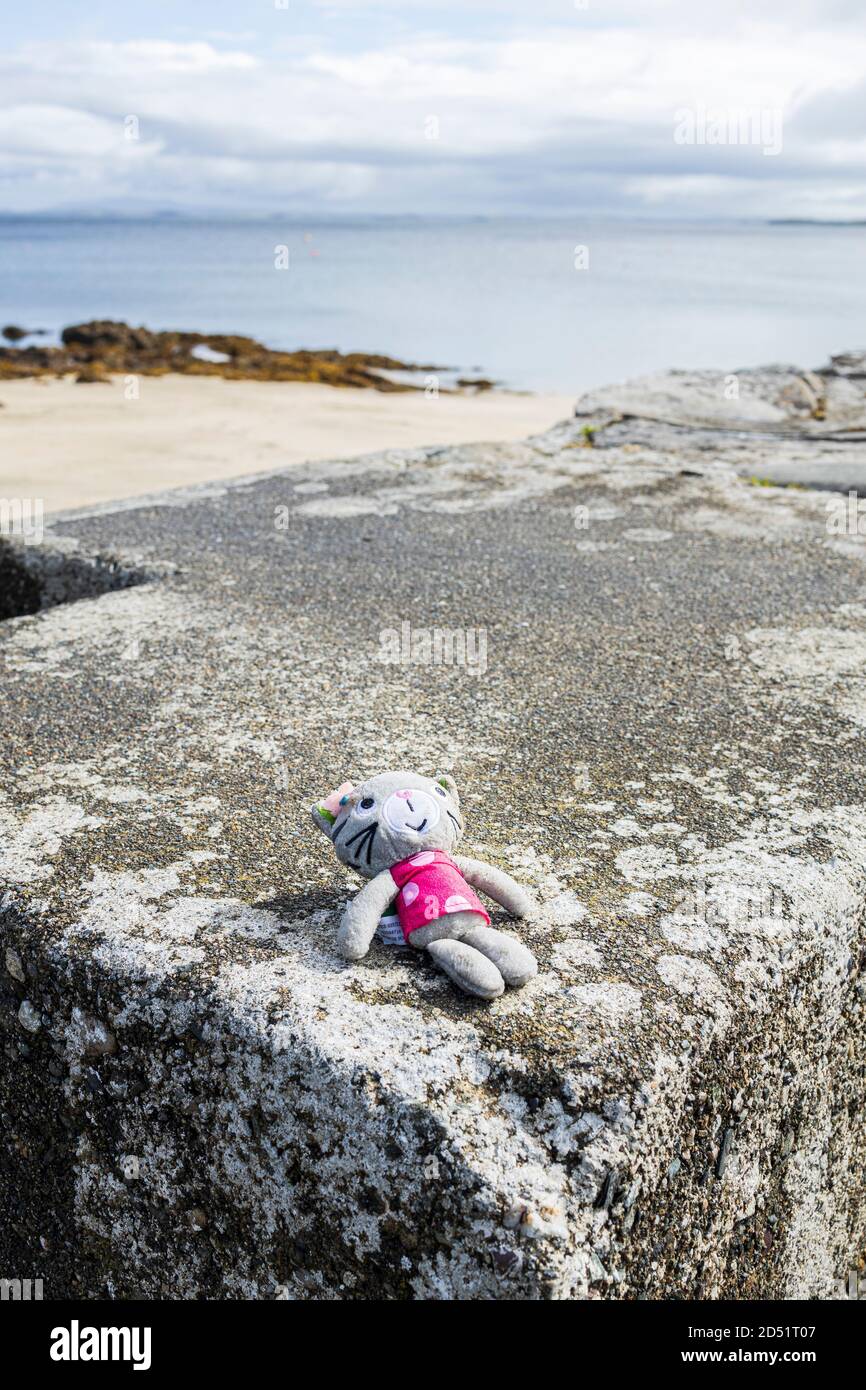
(781, 423)
(667, 741)
(94, 350)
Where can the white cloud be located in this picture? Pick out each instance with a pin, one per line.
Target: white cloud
(60, 131)
(577, 111)
(136, 57)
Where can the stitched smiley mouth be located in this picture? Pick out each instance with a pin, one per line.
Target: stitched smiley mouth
(411, 812)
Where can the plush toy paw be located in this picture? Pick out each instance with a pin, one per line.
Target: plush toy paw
(352, 942)
(514, 961)
(521, 902)
(473, 972)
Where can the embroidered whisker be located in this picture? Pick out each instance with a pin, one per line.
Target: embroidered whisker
(364, 831)
(365, 840)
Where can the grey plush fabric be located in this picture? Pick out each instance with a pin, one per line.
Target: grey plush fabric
(372, 828)
(515, 963)
(469, 969)
(497, 885)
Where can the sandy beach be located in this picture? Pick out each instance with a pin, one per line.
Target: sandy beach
(74, 445)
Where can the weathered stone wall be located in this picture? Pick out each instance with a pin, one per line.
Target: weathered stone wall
(200, 1098)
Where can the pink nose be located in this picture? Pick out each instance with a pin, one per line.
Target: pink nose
(405, 795)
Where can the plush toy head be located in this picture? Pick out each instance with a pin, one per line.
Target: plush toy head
(390, 817)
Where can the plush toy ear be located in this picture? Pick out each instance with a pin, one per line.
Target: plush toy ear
(450, 786)
(325, 812)
(323, 819)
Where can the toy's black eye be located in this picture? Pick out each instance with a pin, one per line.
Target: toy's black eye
(440, 791)
(366, 803)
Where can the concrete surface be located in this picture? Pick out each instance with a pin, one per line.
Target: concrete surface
(667, 741)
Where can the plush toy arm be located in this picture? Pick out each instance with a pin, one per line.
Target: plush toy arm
(361, 917)
(497, 884)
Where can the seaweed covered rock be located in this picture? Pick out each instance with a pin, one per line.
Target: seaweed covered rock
(95, 349)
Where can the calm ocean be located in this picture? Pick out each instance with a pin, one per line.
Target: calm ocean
(498, 297)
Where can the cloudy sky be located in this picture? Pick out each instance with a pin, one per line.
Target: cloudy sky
(408, 106)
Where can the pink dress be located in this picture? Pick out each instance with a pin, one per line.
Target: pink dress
(431, 886)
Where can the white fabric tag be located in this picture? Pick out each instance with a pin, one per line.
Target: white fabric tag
(389, 930)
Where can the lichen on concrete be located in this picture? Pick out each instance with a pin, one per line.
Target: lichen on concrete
(201, 1099)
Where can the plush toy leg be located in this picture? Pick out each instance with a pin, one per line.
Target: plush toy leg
(468, 968)
(515, 963)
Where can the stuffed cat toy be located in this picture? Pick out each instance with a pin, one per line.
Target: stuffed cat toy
(398, 830)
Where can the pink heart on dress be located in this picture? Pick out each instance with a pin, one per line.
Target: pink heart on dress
(457, 903)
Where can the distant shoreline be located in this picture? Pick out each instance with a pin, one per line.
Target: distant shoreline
(816, 222)
(295, 220)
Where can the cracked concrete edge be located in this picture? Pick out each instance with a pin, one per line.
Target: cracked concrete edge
(490, 1211)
